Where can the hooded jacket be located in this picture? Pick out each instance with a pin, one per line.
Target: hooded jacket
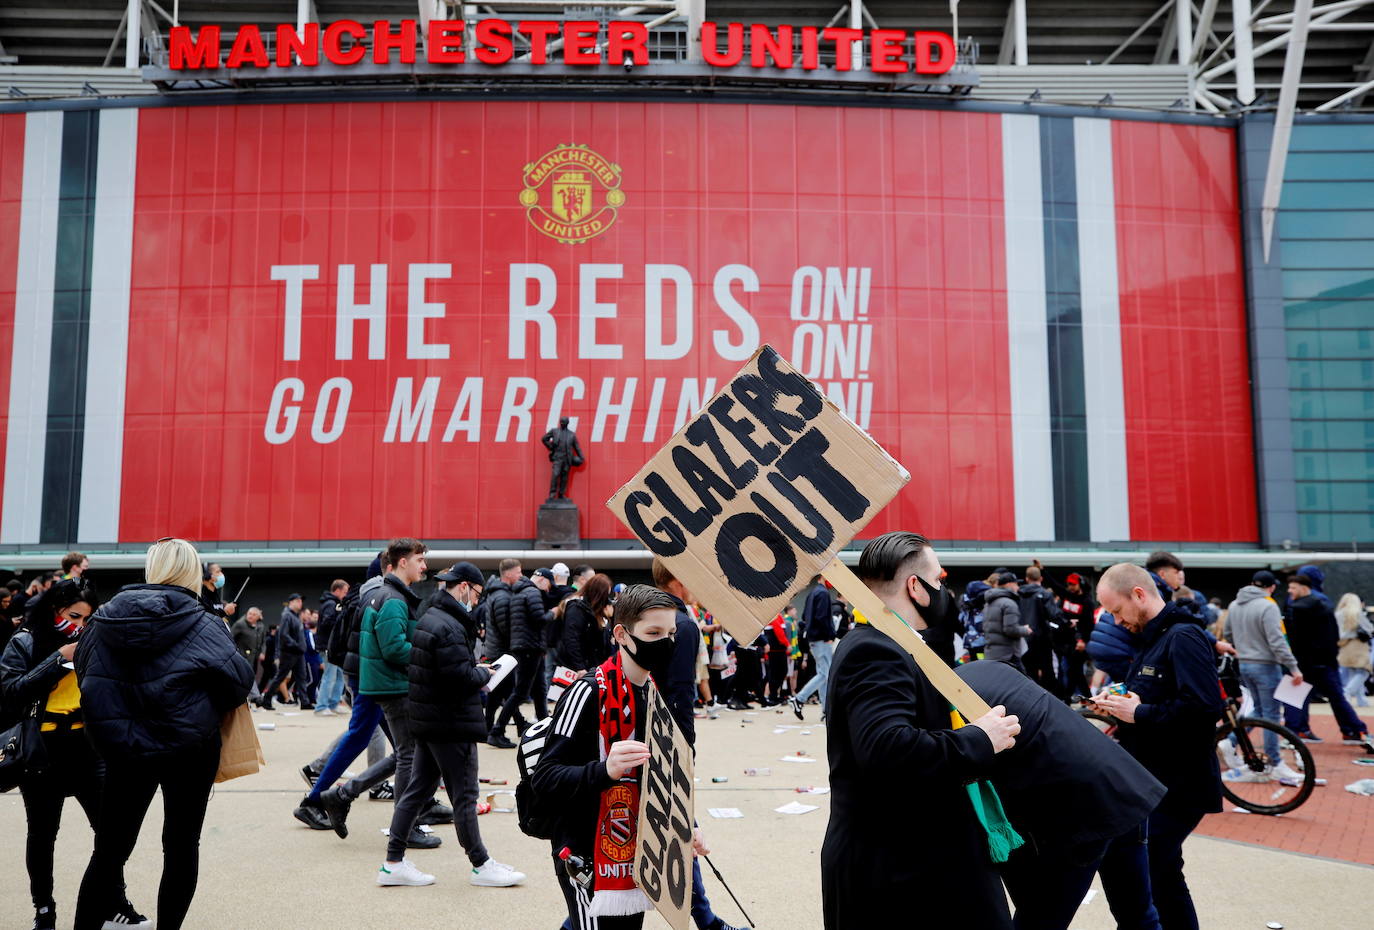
(1002, 626)
(1312, 631)
(1255, 627)
(517, 610)
(157, 673)
(351, 625)
(445, 703)
(384, 639)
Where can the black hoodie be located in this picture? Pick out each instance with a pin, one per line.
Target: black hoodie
(157, 673)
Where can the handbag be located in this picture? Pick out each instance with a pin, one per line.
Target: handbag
(21, 748)
(240, 753)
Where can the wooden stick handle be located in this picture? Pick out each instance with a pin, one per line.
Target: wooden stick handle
(876, 613)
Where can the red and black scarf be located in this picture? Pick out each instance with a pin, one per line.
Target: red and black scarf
(617, 895)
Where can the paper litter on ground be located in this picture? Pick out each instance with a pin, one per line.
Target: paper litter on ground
(795, 807)
(797, 759)
(777, 730)
(726, 813)
(1364, 786)
(813, 791)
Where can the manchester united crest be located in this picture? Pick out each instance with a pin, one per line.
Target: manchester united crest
(618, 829)
(572, 194)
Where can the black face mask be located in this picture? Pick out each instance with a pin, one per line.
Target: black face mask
(654, 656)
(942, 613)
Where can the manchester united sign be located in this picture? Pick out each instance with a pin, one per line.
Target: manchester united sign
(571, 193)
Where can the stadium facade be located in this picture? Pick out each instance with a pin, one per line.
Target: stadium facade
(290, 308)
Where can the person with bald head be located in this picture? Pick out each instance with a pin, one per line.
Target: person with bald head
(1168, 722)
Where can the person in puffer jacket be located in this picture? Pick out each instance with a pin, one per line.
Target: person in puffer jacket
(1111, 647)
(157, 673)
(1003, 632)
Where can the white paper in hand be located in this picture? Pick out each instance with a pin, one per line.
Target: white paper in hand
(499, 670)
(1291, 694)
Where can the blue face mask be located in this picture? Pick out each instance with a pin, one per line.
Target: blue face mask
(219, 581)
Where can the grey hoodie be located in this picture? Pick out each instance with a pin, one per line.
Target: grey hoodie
(1254, 626)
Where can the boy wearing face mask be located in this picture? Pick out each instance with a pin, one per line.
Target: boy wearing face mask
(589, 767)
(446, 719)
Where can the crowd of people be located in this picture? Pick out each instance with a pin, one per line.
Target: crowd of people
(130, 695)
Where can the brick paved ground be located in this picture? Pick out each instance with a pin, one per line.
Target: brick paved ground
(1334, 822)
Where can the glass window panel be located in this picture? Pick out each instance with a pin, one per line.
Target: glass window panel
(1322, 495)
(1333, 434)
(1331, 374)
(1320, 166)
(1351, 527)
(1321, 404)
(1342, 136)
(1329, 195)
(1343, 284)
(1336, 314)
(1334, 466)
(1340, 343)
(1328, 253)
(1347, 223)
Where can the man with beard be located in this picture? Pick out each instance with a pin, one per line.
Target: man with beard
(902, 824)
(1168, 722)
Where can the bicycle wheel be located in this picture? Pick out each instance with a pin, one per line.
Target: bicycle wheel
(1248, 778)
(1105, 724)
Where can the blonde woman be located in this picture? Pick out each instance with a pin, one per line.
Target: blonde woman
(157, 673)
(1354, 645)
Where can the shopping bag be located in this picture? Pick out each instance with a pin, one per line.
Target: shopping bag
(240, 753)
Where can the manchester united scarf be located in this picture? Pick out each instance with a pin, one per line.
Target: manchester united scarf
(618, 818)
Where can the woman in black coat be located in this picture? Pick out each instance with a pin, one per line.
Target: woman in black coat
(159, 673)
(584, 644)
(36, 668)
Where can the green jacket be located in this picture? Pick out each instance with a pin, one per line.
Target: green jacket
(384, 641)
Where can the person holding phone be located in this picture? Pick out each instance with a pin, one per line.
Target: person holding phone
(37, 667)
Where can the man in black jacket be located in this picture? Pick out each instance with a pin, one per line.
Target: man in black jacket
(1078, 799)
(1313, 634)
(1043, 616)
(290, 655)
(818, 624)
(1169, 718)
(517, 605)
(445, 711)
(902, 825)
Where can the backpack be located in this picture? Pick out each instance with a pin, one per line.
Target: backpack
(345, 622)
(536, 816)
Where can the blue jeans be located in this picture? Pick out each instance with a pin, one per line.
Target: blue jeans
(702, 915)
(1326, 682)
(367, 714)
(822, 652)
(1260, 679)
(331, 686)
(1352, 683)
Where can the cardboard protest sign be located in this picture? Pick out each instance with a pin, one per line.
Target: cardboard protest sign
(663, 866)
(756, 495)
(752, 499)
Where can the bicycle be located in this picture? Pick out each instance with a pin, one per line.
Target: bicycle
(1249, 781)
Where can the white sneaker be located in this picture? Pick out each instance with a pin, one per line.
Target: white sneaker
(403, 873)
(495, 874)
(1235, 775)
(1286, 775)
(712, 711)
(1230, 756)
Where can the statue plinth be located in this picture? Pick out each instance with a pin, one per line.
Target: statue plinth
(558, 525)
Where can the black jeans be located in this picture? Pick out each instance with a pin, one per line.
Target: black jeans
(456, 765)
(74, 771)
(295, 666)
(529, 683)
(185, 777)
(1168, 830)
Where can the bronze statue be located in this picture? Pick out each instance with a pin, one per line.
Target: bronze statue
(564, 453)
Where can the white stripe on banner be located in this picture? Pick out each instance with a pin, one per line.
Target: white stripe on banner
(111, 258)
(1027, 347)
(26, 444)
(1109, 514)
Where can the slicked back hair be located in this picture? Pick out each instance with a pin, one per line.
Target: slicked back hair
(891, 555)
(636, 599)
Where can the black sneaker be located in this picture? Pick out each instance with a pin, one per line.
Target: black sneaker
(312, 815)
(386, 791)
(498, 739)
(419, 839)
(126, 916)
(45, 918)
(435, 813)
(310, 775)
(336, 809)
(796, 706)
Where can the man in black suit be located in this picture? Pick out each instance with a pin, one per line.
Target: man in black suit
(903, 832)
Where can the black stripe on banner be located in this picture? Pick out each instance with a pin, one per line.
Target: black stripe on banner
(1064, 320)
(71, 321)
